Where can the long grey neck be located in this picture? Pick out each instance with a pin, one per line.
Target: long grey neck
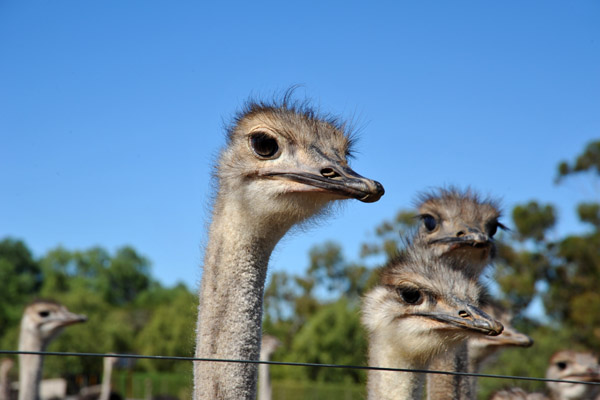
(392, 385)
(230, 307)
(30, 366)
(106, 378)
(265, 391)
(450, 387)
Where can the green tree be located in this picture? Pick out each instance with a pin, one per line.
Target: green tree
(332, 336)
(20, 278)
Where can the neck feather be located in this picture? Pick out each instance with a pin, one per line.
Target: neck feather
(384, 385)
(106, 378)
(230, 307)
(450, 387)
(30, 365)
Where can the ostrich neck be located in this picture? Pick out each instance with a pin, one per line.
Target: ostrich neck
(230, 306)
(106, 378)
(30, 365)
(264, 376)
(450, 387)
(388, 385)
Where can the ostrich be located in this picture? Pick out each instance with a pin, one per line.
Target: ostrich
(458, 225)
(42, 321)
(5, 366)
(573, 366)
(282, 165)
(421, 307)
(564, 365)
(482, 348)
(268, 346)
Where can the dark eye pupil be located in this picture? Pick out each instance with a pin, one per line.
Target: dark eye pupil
(561, 365)
(411, 296)
(430, 222)
(492, 228)
(44, 314)
(264, 145)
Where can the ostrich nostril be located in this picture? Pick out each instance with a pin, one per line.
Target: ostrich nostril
(464, 314)
(330, 173)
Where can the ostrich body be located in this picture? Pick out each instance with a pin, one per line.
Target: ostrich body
(458, 225)
(282, 165)
(421, 307)
(42, 321)
(5, 366)
(268, 346)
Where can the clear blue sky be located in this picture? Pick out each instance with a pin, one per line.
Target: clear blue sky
(111, 112)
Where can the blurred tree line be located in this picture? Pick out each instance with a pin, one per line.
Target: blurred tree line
(316, 315)
(127, 310)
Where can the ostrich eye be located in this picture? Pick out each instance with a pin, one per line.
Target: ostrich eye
(44, 313)
(561, 365)
(263, 145)
(492, 228)
(429, 221)
(411, 296)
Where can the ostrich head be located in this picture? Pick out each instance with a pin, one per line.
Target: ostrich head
(44, 320)
(283, 163)
(573, 366)
(459, 224)
(423, 306)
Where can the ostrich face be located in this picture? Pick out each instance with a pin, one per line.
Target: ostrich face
(574, 366)
(459, 225)
(421, 307)
(290, 162)
(47, 319)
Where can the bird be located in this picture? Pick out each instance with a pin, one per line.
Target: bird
(6, 365)
(459, 224)
(563, 365)
(283, 164)
(482, 348)
(42, 321)
(268, 346)
(422, 306)
(574, 366)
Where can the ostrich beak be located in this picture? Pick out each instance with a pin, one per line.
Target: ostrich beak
(473, 238)
(69, 318)
(512, 338)
(466, 316)
(341, 181)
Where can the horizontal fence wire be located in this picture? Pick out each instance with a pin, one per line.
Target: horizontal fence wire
(293, 364)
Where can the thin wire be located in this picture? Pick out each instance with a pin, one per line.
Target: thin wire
(293, 364)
